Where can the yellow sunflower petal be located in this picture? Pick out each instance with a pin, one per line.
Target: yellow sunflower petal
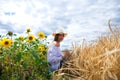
(21, 38)
(6, 42)
(42, 56)
(41, 35)
(41, 48)
(31, 37)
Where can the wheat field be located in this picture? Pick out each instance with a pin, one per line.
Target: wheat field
(97, 61)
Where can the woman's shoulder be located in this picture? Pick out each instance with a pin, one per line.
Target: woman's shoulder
(52, 48)
(54, 44)
(51, 45)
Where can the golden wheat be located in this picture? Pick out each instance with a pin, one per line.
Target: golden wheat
(98, 61)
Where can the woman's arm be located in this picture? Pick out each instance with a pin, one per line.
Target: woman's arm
(53, 55)
(66, 53)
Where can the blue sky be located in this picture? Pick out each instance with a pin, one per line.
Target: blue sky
(81, 19)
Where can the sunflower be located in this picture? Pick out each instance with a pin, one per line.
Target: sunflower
(41, 56)
(28, 30)
(31, 37)
(21, 38)
(42, 45)
(6, 42)
(10, 33)
(41, 35)
(41, 48)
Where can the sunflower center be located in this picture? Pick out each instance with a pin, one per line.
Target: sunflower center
(6, 42)
(41, 35)
(30, 38)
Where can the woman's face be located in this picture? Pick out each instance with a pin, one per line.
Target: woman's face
(61, 37)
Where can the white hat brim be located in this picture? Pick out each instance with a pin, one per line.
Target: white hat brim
(65, 34)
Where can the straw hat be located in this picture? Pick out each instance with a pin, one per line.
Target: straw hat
(59, 31)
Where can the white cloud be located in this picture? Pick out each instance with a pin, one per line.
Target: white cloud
(79, 18)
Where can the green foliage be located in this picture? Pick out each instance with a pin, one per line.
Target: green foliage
(24, 59)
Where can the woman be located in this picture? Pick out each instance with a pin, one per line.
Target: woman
(54, 53)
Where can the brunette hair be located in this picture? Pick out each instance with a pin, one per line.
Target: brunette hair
(56, 37)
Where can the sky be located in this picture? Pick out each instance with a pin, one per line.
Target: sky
(81, 19)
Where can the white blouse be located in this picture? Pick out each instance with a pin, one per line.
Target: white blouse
(54, 57)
